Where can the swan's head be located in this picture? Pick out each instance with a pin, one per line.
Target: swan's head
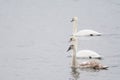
(74, 19)
(72, 39)
(70, 47)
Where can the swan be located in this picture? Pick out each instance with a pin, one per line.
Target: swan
(85, 32)
(88, 54)
(85, 53)
(87, 64)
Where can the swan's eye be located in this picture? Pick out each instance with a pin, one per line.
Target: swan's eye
(70, 40)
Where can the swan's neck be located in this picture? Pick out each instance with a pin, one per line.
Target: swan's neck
(75, 25)
(74, 58)
(74, 62)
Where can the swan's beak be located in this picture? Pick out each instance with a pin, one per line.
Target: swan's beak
(70, 47)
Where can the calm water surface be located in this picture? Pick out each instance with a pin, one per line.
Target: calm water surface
(34, 37)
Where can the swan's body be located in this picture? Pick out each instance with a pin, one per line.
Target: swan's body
(87, 54)
(92, 64)
(88, 64)
(85, 32)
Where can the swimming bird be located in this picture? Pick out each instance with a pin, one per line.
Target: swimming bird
(87, 64)
(88, 54)
(85, 32)
(85, 53)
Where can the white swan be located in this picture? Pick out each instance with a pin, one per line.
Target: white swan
(85, 53)
(85, 32)
(87, 64)
(88, 54)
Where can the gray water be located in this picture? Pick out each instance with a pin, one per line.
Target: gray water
(34, 36)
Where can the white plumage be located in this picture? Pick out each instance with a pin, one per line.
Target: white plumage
(87, 54)
(85, 32)
(83, 53)
(94, 64)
